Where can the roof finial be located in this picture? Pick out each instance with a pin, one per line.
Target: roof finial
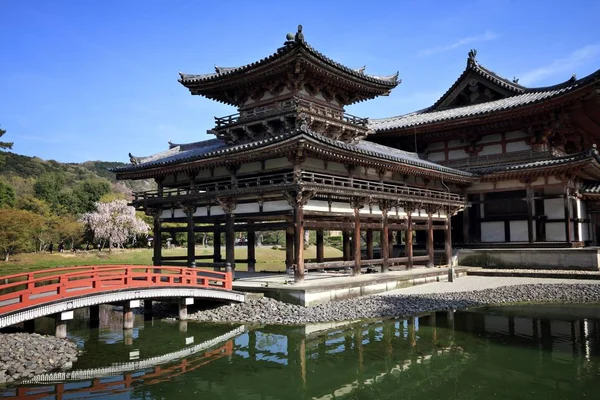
(299, 34)
(515, 79)
(473, 56)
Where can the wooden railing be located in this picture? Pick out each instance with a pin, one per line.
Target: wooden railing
(30, 289)
(363, 263)
(330, 181)
(298, 105)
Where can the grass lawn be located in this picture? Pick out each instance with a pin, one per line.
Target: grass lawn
(267, 259)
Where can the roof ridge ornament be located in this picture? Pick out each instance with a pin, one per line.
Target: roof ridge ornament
(299, 35)
(472, 57)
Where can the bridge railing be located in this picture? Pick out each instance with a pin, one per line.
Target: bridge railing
(29, 289)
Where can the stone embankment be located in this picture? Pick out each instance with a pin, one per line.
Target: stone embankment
(269, 311)
(23, 355)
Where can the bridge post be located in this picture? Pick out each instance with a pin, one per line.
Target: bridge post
(29, 326)
(183, 303)
(94, 316)
(60, 324)
(148, 310)
(128, 313)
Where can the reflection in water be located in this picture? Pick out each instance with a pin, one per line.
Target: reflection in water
(504, 353)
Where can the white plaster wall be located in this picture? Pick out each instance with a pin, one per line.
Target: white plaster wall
(584, 233)
(496, 137)
(217, 210)
(314, 163)
(477, 187)
(201, 212)
(457, 154)
(203, 174)
(222, 171)
(317, 205)
(338, 167)
(435, 146)
(277, 163)
(517, 146)
(491, 149)
(337, 206)
(247, 208)
(492, 231)
(519, 232)
(437, 156)
(515, 135)
(456, 143)
(555, 231)
(553, 180)
(510, 184)
(178, 213)
(166, 214)
(554, 209)
(250, 167)
(279, 205)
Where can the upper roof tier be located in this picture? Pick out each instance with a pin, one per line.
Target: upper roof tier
(295, 66)
(477, 92)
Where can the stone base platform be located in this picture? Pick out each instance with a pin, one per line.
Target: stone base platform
(583, 259)
(323, 287)
(536, 273)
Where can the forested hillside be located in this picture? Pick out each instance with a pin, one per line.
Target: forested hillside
(42, 201)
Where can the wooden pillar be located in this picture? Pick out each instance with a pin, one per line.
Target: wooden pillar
(385, 244)
(466, 223)
(409, 238)
(346, 245)
(320, 245)
(217, 243)
(356, 270)
(229, 240)
(157, 242)
(449, 245)
(430, 247)
(576, 237)
(530, 212)
(390, 238)
(370, 254)
(298, 244)
(289, 248)
(191, 237)
(567, 215)
(148, 310)
(251, 247)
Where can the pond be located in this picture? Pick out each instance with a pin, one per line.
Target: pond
(525, 352)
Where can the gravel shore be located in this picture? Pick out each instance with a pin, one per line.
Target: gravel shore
(23, 355)
(269, 311)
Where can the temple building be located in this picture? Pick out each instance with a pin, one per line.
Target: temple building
(492, 163)
(532, 153)
(291, 159)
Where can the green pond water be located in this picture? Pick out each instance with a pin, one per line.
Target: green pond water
(526, 352)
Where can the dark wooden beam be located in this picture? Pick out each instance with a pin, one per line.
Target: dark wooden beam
(320, 245)
(216, 243)
(370, 252)
(356, 269)
(298, 244)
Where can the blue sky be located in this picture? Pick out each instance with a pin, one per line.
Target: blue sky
(95, 80)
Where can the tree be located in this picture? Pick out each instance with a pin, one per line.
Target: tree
(7, 195)
(4, 145)
(114, 222)
(17, 229)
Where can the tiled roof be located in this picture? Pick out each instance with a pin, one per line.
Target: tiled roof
(551, 162)
(297, 43)
(591, 188)
(217, 148)
(428, 115)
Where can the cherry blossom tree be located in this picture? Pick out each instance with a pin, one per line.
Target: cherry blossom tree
(114, 222)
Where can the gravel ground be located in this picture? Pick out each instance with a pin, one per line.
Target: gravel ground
(23, 355)
(464, 293)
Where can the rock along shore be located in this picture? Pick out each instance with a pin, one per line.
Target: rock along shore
(23, 355)
(269, 311)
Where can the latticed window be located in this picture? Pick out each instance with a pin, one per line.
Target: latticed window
(501, 204)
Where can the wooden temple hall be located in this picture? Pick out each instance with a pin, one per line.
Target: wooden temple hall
(492, 163)
(291, 159)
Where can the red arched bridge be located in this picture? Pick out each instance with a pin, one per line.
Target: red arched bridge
(31, 295)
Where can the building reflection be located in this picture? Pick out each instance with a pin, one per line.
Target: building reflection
(437, 355)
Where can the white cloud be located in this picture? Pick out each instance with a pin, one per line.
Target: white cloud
(561, 65)
(460, 42)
